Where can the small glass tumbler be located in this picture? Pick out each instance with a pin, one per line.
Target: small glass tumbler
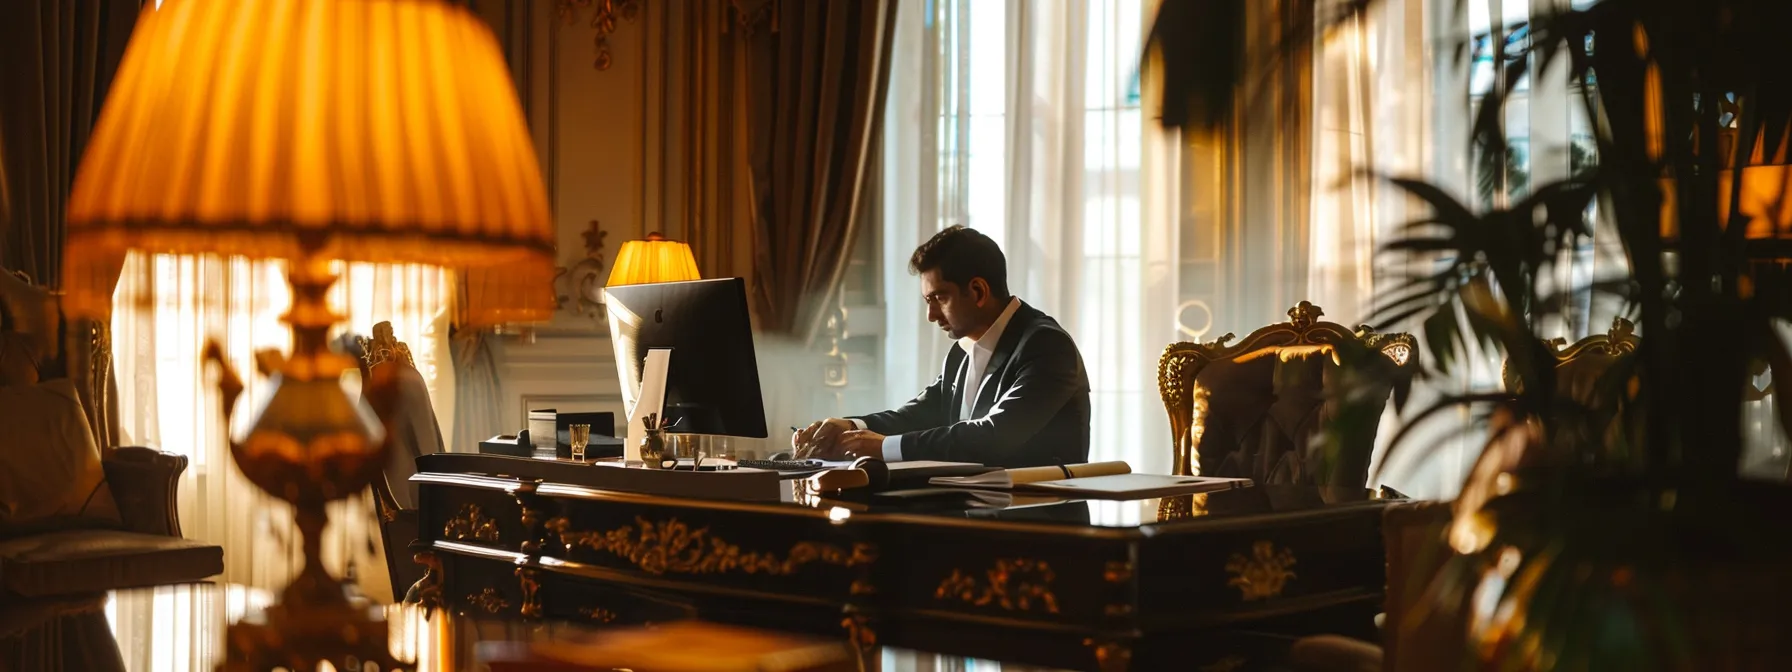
(578, 436)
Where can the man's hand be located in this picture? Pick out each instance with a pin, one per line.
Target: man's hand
(861, 443)
(821, 436)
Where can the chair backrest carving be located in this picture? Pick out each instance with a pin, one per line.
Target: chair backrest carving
(1181, 366)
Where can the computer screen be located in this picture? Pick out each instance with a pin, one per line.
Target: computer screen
(712, 380)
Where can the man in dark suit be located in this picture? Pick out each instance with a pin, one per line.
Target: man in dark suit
(1013, 393)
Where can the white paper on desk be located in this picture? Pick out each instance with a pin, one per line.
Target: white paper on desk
(652, 399)
(1004, 479)
(1134, 486)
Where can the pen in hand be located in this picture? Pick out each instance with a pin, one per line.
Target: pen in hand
(806, 447)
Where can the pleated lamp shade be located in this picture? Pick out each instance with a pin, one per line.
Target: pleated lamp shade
(359, 130)
(653, 260)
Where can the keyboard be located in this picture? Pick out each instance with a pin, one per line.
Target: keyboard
(783, 465)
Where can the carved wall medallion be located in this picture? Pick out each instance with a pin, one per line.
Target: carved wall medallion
(489, 600)
(674, 547)
(603, 21)
(471, 523)
(582, 285)
(1016, 584)
(1262, 574)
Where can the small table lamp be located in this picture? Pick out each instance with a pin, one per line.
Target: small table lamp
(653, 260)
(315, 131)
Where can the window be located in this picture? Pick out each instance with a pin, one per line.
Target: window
(1023, 120)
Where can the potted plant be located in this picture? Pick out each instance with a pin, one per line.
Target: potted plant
(1609, 529)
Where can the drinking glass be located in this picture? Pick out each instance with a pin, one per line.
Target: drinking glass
(578, 436)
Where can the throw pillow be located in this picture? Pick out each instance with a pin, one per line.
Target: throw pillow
(50, 466)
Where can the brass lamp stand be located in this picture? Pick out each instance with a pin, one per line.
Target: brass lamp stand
(312, 444)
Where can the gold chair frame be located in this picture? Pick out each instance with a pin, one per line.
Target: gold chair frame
(1183, 361)
(1621, 339)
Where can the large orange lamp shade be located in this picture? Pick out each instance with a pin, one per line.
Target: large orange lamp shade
(653, 260)
(359, 130)
(314, 131)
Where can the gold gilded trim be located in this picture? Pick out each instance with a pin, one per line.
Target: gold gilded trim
(674, 547)
(1117, 571)
(531, 607)
(1262, 574)
(427, 591)
(471, 523)
(1110, 656)
(489, 600)
(859, 632)
(598, 614)
(1015, 584)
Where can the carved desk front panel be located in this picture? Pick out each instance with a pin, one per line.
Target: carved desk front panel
(1063, 584)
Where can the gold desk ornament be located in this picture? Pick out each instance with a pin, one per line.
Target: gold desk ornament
(673, 547)
(1013, 584)
(471, 523)
(1262, 574)
(489, 600)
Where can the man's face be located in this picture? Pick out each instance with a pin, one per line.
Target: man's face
(950, 306)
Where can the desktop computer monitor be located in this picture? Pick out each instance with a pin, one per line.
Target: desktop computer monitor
(712, 378)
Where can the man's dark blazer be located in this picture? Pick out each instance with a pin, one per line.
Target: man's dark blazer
(1032, 408)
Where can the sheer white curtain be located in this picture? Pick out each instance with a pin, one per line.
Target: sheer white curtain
(166, 308)
(1023, 120)
(1394, 96)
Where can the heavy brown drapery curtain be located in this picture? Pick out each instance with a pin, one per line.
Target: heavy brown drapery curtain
(815, 106)
(59, 57)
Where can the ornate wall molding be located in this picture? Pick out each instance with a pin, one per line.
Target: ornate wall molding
(603, 21)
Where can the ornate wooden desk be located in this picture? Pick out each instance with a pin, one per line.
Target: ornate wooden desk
(1198, 582)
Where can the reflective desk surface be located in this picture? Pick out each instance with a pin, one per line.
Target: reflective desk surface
(1222, 579)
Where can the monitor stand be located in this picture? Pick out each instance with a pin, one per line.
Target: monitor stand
(651, 398)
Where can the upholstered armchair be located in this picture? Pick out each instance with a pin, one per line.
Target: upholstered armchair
(78, 517)
(1254, 408)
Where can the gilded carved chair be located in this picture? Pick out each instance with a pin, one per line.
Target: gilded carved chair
(386, 365)
(1253, 408)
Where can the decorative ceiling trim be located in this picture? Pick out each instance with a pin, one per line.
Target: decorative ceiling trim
(603, 21)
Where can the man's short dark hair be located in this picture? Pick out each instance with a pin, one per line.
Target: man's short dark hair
(960, 254)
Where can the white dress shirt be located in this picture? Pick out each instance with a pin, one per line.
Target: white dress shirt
(979, 350)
